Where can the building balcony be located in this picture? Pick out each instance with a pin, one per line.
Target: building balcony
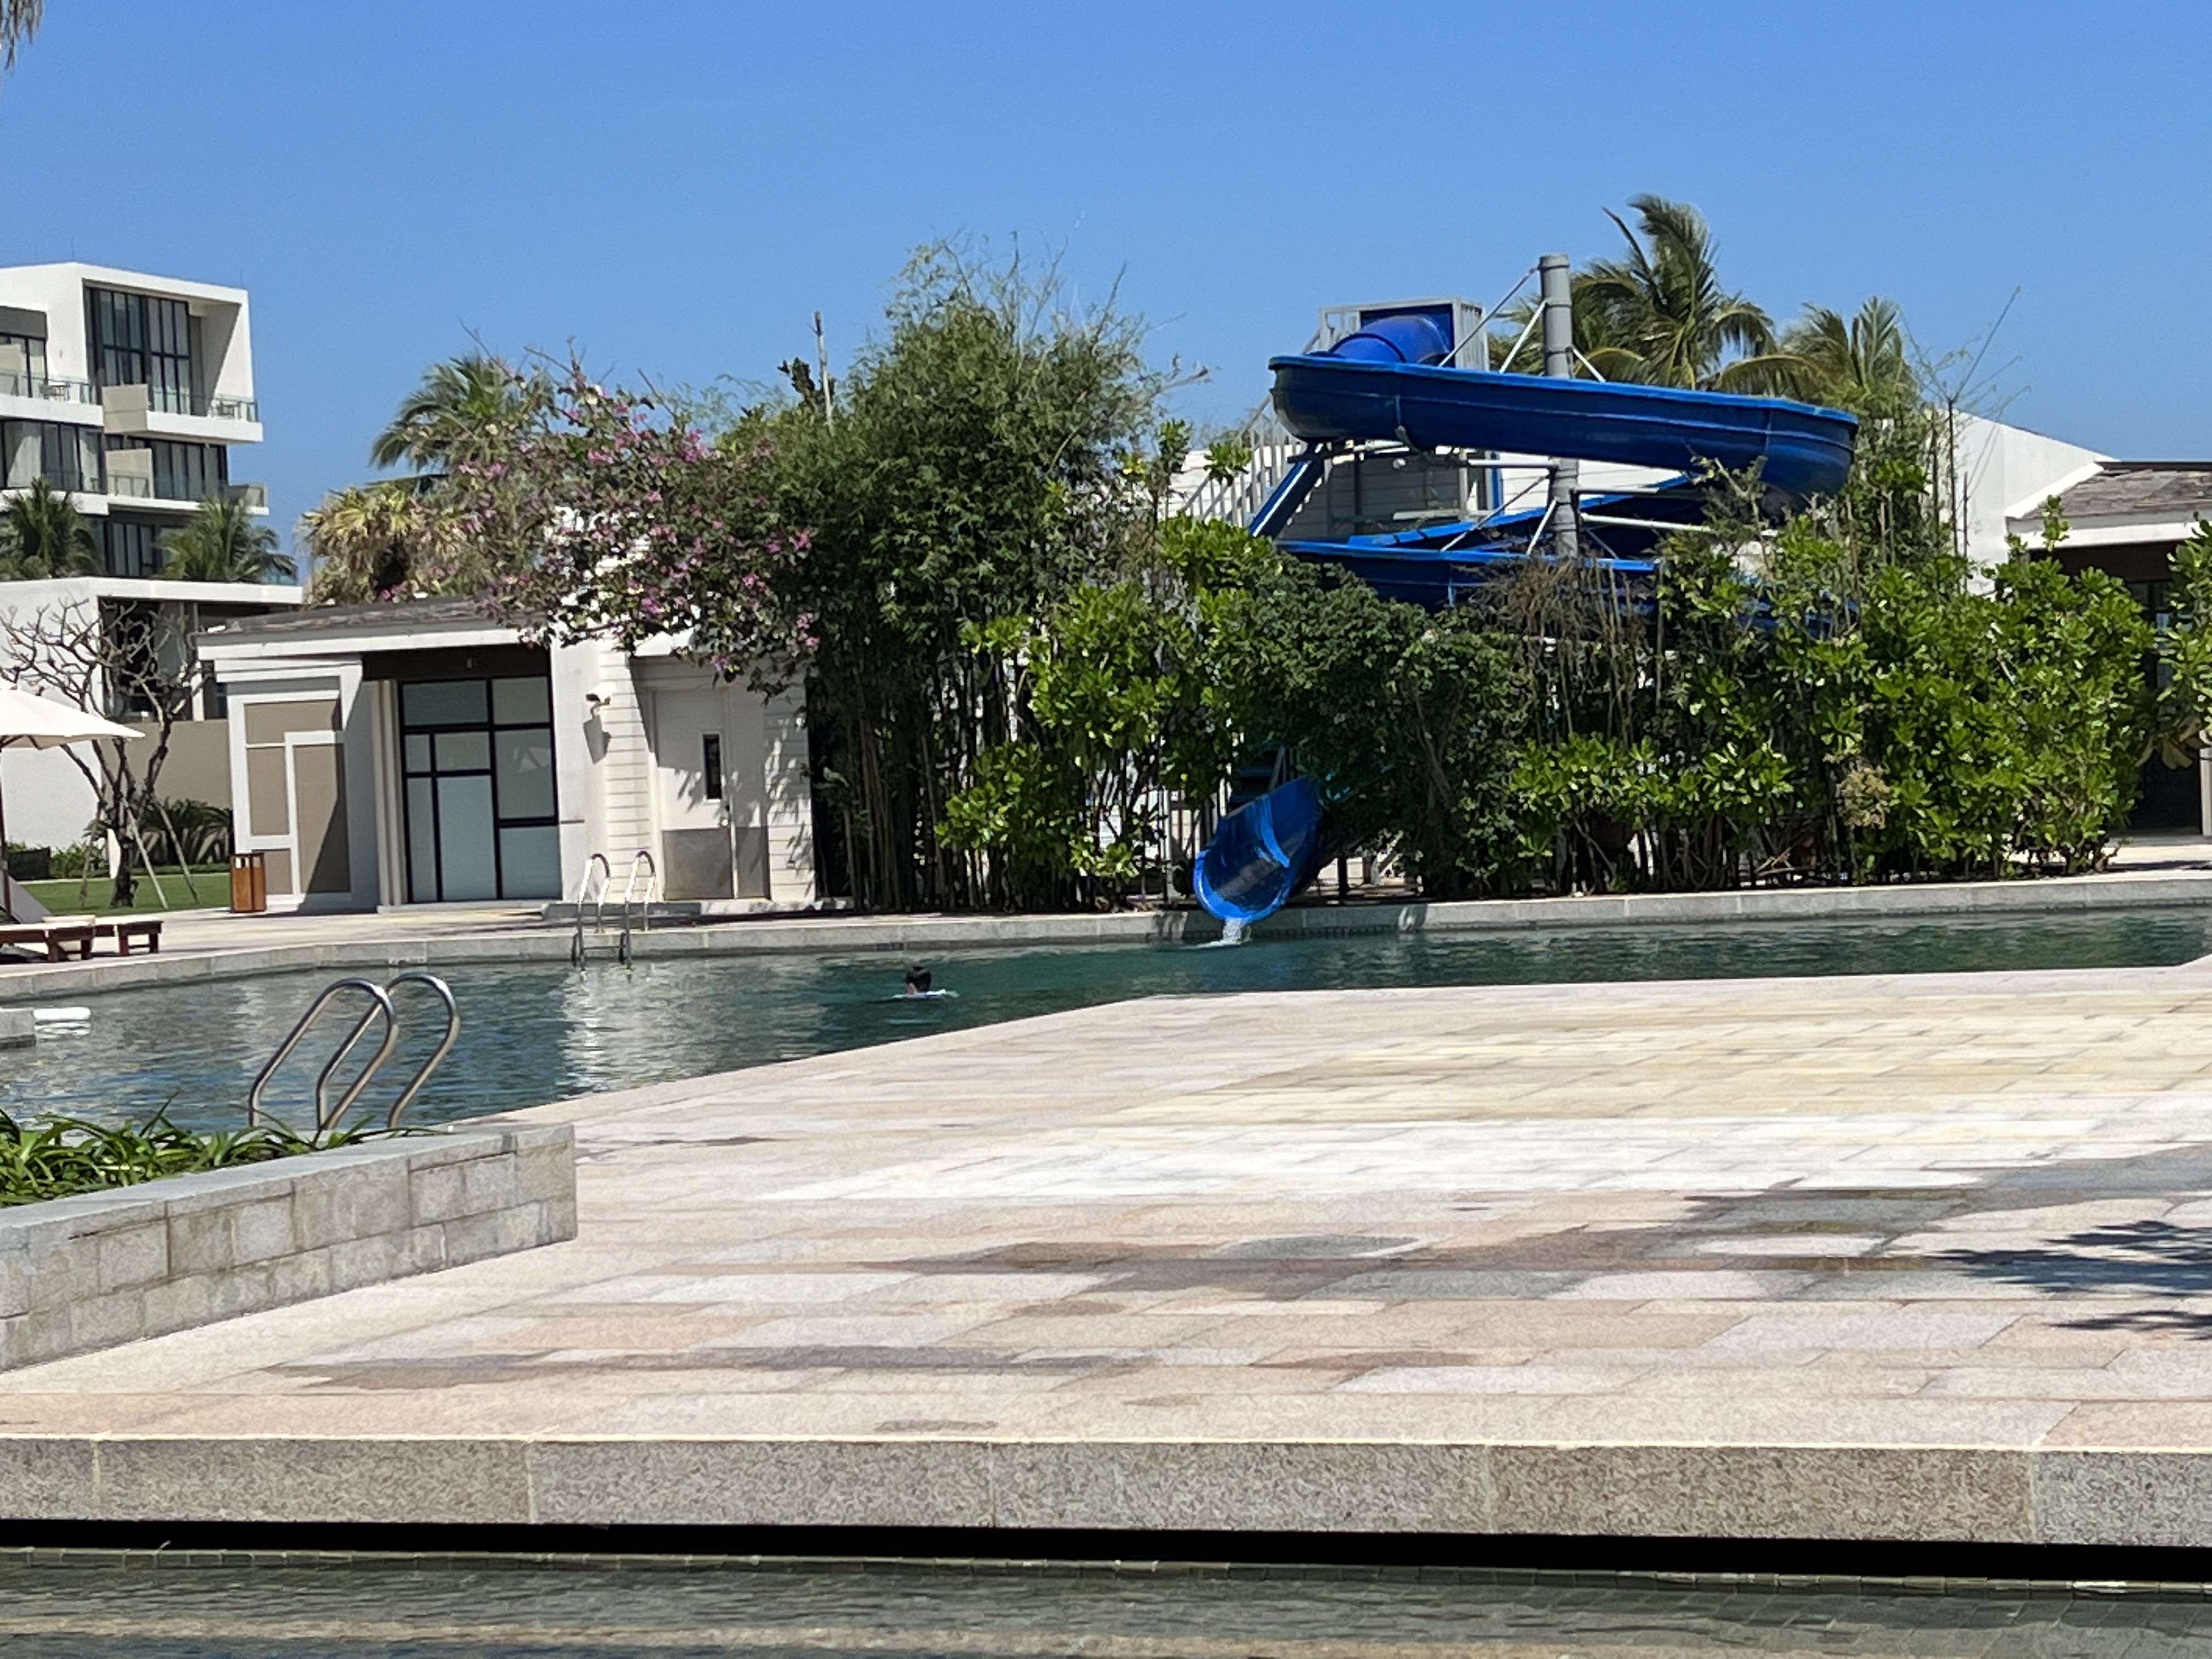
(140, 412)
(139, 486)
(27, 397)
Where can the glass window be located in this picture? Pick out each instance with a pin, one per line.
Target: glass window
(130, 547)
(141, 339)
(523, 767)
(710, 764)
(463, 751)
(422, 841)
(418, 751)
(442, 702)
(530, 862)
(521, 702)
(468, 867)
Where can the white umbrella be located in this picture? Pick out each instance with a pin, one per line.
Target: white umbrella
(30, 722)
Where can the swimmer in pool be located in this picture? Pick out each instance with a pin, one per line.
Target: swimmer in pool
(917, 985)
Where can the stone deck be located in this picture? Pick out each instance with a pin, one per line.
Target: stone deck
(1883, 1258)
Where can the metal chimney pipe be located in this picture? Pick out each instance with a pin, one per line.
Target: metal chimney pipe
(1554, 274)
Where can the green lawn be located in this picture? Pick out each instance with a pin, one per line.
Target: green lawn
(99, 894)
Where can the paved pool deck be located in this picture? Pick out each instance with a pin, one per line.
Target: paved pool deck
(1904, 1258)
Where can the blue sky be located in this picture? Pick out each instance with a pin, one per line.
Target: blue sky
(677, 185)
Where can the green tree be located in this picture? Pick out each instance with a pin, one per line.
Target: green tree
(43, 536)
(223, 541)
(1659, 313)
(386, 540)
(18, 22)
(1862, 364)
(450, 418)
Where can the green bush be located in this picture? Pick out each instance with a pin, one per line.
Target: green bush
(56, 1156)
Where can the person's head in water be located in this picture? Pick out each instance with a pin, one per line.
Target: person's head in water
(917, 982)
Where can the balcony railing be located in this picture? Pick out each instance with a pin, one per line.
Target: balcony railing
(255, 495)
(169, 400)
(50, 388)
(134, 484)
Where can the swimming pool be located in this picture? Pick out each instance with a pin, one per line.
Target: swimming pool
(95, 1607)
(535, 1032)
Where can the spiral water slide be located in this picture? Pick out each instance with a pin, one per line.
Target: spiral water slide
(1393, 381)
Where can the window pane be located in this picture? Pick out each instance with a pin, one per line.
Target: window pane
(525, 770)
(465, 842)
(463, 751)
(442, 702)
(421, 843)
(521, 702)
(530, 863)
(418, 752)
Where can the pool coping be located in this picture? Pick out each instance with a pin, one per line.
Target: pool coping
(890, 935)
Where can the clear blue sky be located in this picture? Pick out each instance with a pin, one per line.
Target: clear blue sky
(676, 184)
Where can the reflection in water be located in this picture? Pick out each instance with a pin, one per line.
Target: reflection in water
(537, 1032)
(89, 1606)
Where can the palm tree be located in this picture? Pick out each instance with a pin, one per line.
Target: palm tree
(18, 22)
(446, 421)
(221, 542)
(1658, 315)
(371, 542)
(1864, 365)
(43, 536)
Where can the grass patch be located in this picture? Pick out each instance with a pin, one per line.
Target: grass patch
(99, 894)
(57, 1156)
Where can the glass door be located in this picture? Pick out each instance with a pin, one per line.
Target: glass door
(477, 757)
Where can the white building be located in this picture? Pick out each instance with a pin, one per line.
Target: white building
(417, 752)
(128, 392)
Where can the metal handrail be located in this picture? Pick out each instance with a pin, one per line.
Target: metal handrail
(599, 908)
(380, 1003)
(629, 892)
(445, 993)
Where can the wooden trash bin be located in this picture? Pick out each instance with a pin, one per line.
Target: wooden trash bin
(249, 882)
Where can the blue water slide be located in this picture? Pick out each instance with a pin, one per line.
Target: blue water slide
(1261, 853)
(1391, 380)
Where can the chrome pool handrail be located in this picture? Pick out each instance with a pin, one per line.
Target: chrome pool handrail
(643, 855)
(452, 1035)
(598, 902)
(380, 1003)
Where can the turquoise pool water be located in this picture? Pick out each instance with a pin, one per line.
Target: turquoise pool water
(353, 1610)
(533, 1033)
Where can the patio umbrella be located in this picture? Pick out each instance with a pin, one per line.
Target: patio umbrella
(31, 722)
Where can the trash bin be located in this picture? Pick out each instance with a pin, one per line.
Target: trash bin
(249, 882)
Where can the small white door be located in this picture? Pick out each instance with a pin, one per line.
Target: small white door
(692, 769)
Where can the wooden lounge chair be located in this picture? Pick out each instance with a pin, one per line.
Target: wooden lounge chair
(148, 931)
(57, 937)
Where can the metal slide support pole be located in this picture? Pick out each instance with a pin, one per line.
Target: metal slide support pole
(1554, 272)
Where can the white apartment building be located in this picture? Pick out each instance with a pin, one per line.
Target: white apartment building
(131, 392)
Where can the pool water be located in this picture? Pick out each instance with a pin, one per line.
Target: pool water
(537, 1033)
(350, 1608)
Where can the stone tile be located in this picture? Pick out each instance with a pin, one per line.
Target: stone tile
(1762, 1491)
(2159, 1498)
(300, 1478)
(721, 1483)
(1243, 1487)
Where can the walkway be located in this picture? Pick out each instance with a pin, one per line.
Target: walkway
(1920, 1257)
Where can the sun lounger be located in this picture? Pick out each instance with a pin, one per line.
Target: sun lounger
(60, 936)
(57, 939)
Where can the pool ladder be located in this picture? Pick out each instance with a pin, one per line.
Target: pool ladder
(636, 902)
(380, 1006)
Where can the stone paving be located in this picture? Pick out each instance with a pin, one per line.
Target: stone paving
(1911, 1257)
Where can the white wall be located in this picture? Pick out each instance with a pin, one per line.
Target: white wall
(2007, 471)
